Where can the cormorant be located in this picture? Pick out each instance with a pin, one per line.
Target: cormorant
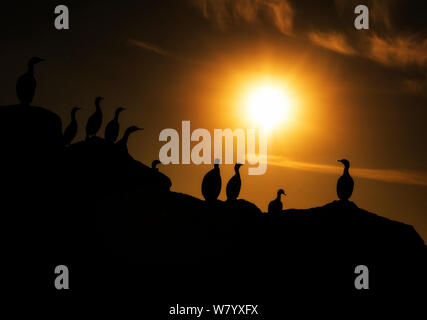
(161, 180)
(26, 84)
(345, 183)
(112, 128)
(276, 206)
(71, 130)
(95, 120)
(234, 185)
(154, 165)
(123, 142)
(211, 184)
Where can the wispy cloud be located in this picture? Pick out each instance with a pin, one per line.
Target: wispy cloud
(398, 51)
(162, 52)
(385, 175)
(385, 43)
(150, 47)
(381, 11)
(224, 13)
(333, 41)
(417, 86)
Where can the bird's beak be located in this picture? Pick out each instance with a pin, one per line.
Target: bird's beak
(339, 160)
(140, 128)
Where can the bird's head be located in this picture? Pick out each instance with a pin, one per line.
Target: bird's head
(98, 100)
(120, 109)
(281, 191)
(34, 60)
(237, 166)
(345, 162)
(133, 129)
(75, 109)
(155, 163)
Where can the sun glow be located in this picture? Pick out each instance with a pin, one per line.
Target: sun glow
(269, 105)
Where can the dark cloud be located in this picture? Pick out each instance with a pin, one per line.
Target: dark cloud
(333, 41)
(398, 51)
(224, 13)
(330, 25)
(150, 47)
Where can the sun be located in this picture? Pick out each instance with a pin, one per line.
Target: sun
(268, 105)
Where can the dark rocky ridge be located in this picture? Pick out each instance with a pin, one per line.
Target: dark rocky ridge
(90, 203)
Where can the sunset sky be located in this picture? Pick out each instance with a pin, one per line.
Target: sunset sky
(360, 95)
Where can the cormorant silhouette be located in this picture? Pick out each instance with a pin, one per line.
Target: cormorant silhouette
(95, 120)
(211, 184)
(71, 130)
(276, 206)
(123, 142)
(161, 180)
(26, 84)
(234, 185)
(345, 183)
(112, 128)
(154, 165)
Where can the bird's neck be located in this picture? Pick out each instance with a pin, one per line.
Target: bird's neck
(125, 138)
(346, 172)
(278, 197)
(116, 116)
(30, 68)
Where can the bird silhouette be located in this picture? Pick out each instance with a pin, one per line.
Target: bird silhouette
(123, 142)
(71, 130)
(162, 181)
(112, 128)
(234, 184)
(345, 183)
(276, 206)
(26, 84)
(211, 184)
(154, 165)
(95, 120)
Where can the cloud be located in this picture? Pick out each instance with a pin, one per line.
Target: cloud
(333, 41)
(157, 50)
(381, 13)
(224, 13)
(398, 51)
(150, 47)
(282, 14)
(416, 86)
(387, 42)
(385, 175)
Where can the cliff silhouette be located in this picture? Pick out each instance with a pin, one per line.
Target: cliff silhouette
(92, 202)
